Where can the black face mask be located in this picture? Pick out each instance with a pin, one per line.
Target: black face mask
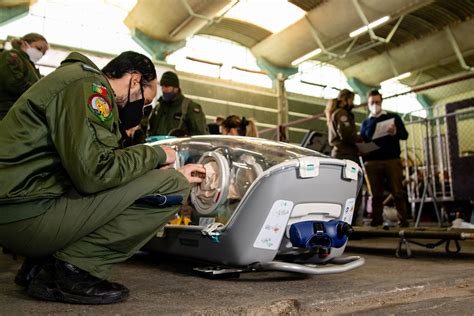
(132, 113)
(168, 96)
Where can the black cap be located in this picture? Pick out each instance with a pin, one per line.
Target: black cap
(169, 79)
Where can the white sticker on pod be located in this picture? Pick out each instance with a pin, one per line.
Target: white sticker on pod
(348, 211)
(272, 231)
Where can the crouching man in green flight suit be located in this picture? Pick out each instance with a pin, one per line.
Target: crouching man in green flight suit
(68, 190)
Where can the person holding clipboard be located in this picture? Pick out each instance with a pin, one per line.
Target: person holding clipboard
(384, 164)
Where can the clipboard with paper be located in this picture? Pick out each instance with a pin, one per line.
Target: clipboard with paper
(366, 148)
(381, 129)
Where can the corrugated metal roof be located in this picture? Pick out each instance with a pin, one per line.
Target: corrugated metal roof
(416, 25)
(422, 19)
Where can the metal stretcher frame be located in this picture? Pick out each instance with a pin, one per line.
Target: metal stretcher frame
(406, 236)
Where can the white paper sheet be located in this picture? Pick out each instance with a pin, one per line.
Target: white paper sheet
(381, 129)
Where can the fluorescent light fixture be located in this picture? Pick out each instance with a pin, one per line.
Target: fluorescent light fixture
(370, 26)
(403, 76)
(306, 57)
(397, 78)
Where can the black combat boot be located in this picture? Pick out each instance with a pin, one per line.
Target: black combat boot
(63, 282)
(29, 269)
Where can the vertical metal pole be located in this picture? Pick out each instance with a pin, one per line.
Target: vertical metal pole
(441, 214)
(415, 149)
(448, 158)
(430, 183)
(431, 170)
(427, 189)
(441, 153)
(425, 145)
(407, 168)
(410, 186)
(282, 105)
(414, 187)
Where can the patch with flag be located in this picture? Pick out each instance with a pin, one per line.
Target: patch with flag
(101, 107)
(98, 88)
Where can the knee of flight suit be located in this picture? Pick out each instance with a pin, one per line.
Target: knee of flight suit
(138, 224)
(169, 181)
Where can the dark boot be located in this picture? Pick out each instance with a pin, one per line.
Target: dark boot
(63, 282)
(29, 269)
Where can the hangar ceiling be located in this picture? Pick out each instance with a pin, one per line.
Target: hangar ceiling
(431, 39)
(420, 36)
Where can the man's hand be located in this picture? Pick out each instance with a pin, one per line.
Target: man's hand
(170, 155)
(193, 172)
(132, 131)
(392, 130)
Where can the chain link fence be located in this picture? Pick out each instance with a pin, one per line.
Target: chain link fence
(439, 153)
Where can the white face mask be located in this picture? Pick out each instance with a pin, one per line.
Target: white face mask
(375, 109)
(34, 54)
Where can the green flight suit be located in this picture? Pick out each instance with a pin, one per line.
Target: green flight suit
(167, 117)
(342, 135)
(66, 187)
(17, 74)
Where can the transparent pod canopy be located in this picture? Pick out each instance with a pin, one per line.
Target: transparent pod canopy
(232, 164)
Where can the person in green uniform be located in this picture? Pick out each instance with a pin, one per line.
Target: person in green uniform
(176, 115)
(342, 135)
(68, 191)
(342, 131)
(17, 68)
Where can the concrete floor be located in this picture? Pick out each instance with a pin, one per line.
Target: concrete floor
(430, 283)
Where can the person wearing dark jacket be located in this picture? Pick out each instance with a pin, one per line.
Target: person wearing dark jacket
(342, 131)
(176, 114)
(384, 164)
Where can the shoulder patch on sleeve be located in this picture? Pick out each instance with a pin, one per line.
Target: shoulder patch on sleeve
(99, 88)
(100, 106)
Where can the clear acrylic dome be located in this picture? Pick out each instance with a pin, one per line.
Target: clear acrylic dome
(232, 164)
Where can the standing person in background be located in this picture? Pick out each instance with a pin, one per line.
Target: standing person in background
(175, 113)
(384, 163)
(17, 68)
(342, 131)
(215, 128)
(342, 135)
(236, 126)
